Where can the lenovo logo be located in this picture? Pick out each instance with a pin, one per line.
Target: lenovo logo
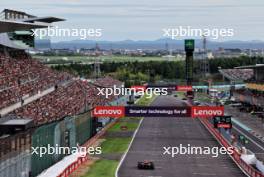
(207, 111)
(109, 111)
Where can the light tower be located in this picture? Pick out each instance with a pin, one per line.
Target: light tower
(189, 49)
(97, 62)
(166, 46)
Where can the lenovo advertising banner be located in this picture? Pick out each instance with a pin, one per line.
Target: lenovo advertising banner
(158, 111)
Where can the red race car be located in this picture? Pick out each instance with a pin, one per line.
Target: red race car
(148, 165)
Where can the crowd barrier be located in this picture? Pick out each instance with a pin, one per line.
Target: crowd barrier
(72, 167)
(248, 169)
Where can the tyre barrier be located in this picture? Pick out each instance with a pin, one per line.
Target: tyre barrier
(248, 169)
(72, 167)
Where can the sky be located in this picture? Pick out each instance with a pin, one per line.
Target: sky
(145, 19)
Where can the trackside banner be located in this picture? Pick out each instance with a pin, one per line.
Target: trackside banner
(181, 88)
(158, 111)
(138, 88)
(184, 88)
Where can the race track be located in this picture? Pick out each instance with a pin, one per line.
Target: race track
(155, 133)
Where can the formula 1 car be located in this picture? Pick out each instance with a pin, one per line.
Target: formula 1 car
(147, 165)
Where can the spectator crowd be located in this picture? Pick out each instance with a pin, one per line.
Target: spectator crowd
(21, 76)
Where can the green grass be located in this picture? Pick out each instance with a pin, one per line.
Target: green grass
(145, 100)
(103, 58)
(202, 97)
(115, 145)
(180, 94)
(106, 168)
(102, 168)
(131, 126)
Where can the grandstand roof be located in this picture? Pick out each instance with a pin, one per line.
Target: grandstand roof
(10, 12)
(44, 19)
(251, 66)
(8, 126)
(10, 26)
(12, 21)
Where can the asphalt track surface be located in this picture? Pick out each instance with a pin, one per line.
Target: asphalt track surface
(156, 133)
(255, 145)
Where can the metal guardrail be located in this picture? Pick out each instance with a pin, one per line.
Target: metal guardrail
(248, 169)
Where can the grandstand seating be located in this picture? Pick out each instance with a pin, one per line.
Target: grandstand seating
(24, 76)
(66, 100)
(107, 82)
(237, 74)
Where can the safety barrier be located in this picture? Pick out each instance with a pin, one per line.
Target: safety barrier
(248, 169)
(72, 167)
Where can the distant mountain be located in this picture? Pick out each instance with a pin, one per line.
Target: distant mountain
(156, 44)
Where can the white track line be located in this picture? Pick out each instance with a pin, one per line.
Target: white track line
(134, 135)
(228, 154)
(124, 155)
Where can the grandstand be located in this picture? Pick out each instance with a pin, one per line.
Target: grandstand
(22, 76)
(237, 74)
(38, 105)
(253, 76)
(107, 82)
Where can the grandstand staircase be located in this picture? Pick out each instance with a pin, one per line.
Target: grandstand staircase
(17, 39)
(21, 44)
